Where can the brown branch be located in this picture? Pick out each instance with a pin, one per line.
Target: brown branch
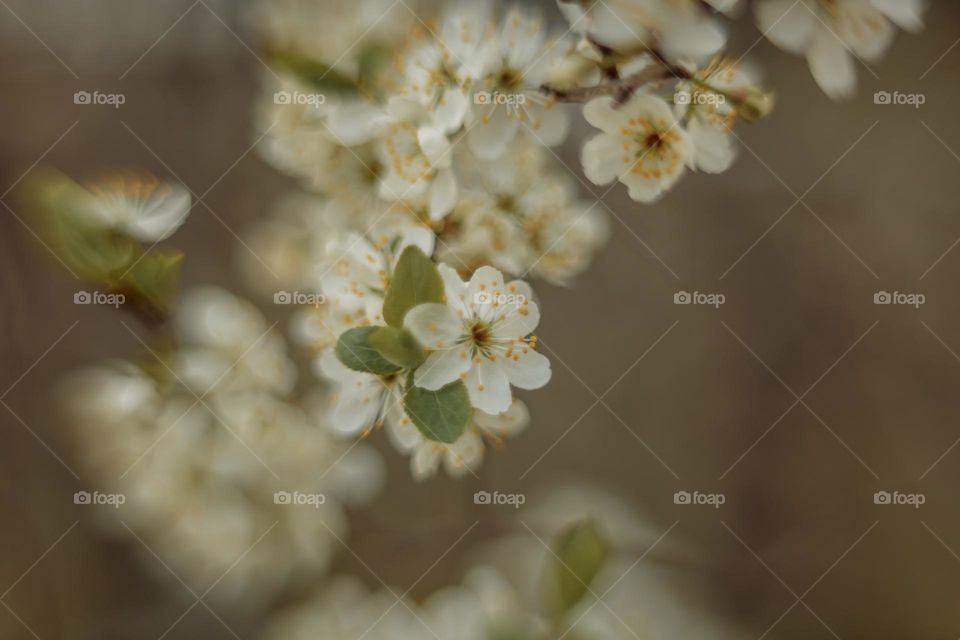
(622, 89)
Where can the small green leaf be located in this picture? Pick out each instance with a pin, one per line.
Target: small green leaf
(580, 552)
(398, 346)
(442, 415)
(355, 352)
(415, 281)
(316, 74)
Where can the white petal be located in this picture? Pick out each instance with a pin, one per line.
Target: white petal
(443, 194)
(907, 14)
(714, 150)
(451, 110)
(442, 368)
(604, 114)
(488, 386)
(355, 123)
(530, 370)
(434, 144)
(357, 406)
(832, 66)
(425, 460)
(484, 286)
(696, 38)
(509, 423)
(163, 217)
(489, 139)
(520, 318)
(436, 326)
(788, 24)
(454, 288)
(603, 159)
(464, 455)
(549, 125)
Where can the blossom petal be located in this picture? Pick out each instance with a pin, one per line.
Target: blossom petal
(443, 194)
(489, 139)
(435, 325)
(464, 455)
(604, 114)
(425, 460)
(509, 423)
(832, 66)
(484, 285)
(603, 159)
(714, 151)
(527, 369)
(355, 123)
(788, 24)
(357, 406)
(488, 386)
(441, 368)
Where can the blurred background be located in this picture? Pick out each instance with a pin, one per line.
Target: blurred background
(798, 398)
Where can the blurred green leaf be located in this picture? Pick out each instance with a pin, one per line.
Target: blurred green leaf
(442, 415)
(415, 281)
(355, 352)
(316, 74)
(579, 554)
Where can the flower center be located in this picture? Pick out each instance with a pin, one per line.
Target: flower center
(480, 334)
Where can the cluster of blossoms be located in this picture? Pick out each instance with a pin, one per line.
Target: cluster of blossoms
(425, 149)
(205, 445)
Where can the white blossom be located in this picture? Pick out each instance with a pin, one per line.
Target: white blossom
(482, 335)
(138, 205)
(831, 35)
(642, 145)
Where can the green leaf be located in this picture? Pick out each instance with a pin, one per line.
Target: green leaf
(442, 415)
(580, 552)
(316, 74)
(415, 281)
(398, 346)
(355, 352)
(155, 276)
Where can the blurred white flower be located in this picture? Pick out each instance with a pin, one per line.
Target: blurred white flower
(138, 205)
(481, 335)
(642, 145)
(201, 463)
(678, 29)
(831, 34)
